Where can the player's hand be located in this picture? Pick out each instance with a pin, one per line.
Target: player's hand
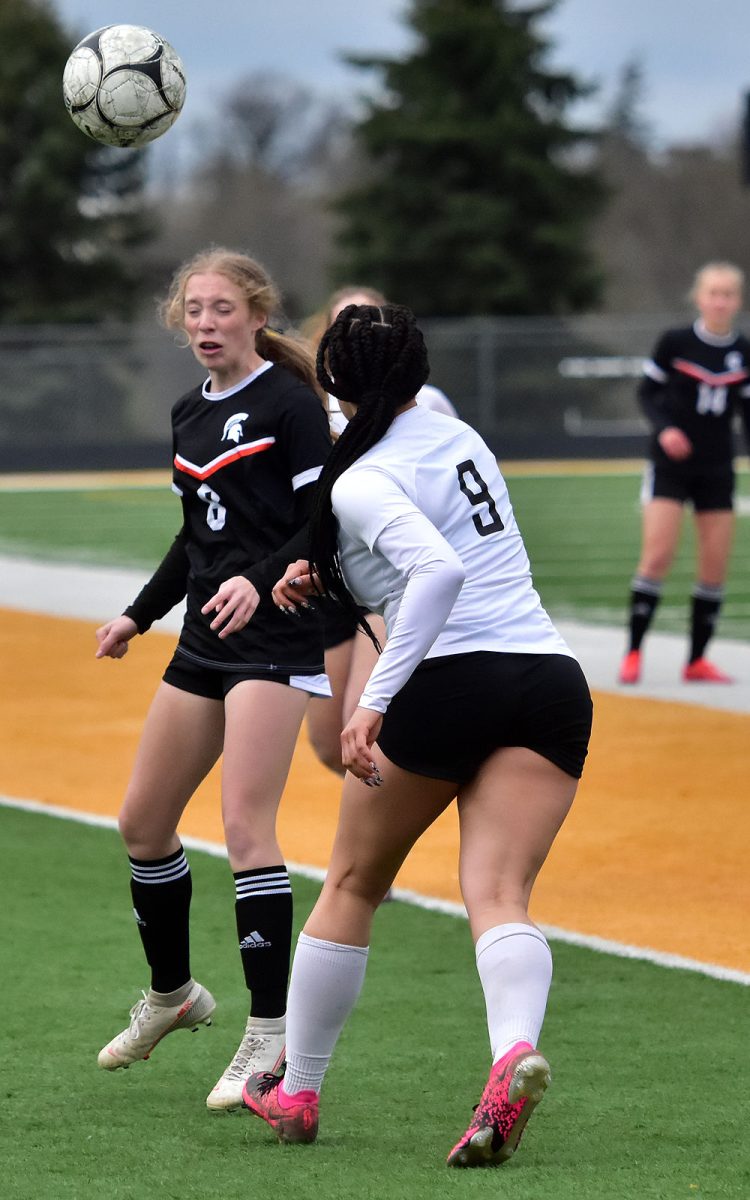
(291, 592)
(113, 637)
(357, 739)
(675, 443)
(234, 604)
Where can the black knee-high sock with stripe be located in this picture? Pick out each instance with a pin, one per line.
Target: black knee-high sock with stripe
(645, 595)
(263, 907)
(161, 889)
(705, 607)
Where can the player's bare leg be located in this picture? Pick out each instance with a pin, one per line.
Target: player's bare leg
(263, 720)
(325, 718)
(377, 828)
(509, 816)
(180, 742)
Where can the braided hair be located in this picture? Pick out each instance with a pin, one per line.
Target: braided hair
(372, 356)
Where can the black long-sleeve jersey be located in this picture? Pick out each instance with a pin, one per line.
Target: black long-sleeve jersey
(695, 381)
(245, 464)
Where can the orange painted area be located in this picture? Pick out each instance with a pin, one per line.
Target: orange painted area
(654, 852)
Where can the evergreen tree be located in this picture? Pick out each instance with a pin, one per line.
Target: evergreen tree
(70, 211)
(624, 122)
(478, 194)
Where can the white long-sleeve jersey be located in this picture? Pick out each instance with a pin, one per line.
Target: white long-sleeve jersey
(427, 538)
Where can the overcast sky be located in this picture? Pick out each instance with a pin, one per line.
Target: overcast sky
(695, 56)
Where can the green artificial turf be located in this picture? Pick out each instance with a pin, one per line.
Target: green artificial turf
(127, 527)
(650, 1066)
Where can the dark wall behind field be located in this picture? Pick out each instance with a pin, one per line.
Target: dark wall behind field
(77, 398)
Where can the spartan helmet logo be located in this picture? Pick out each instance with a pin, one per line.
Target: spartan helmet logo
(233, 428)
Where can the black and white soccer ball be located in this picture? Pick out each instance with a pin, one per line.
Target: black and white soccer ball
(124, 85)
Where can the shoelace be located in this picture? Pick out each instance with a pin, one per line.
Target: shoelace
(237, 1068)
(268, 1082)
(136, 1015)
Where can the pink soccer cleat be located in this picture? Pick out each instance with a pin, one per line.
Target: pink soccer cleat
(703, 671)
(293, 1118)
(516, 1085)
(630, 667)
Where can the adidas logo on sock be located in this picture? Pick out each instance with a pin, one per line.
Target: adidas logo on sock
(254, 941)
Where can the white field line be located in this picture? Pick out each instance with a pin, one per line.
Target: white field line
(431, 903)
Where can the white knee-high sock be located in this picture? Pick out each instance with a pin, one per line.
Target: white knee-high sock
(515, 967)
(327, 978)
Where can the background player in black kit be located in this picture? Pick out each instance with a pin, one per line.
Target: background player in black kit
(249, 445)
(691, 386)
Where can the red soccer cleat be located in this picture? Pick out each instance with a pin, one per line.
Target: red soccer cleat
(516, 1085)
(703, 671)
(293, 1118)
(630, 668)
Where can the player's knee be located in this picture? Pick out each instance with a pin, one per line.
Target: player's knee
(249, 840)
(326, 745)
(329, 754)
(129, 835)
(140, 842)
(483, 896)
(366, 887)
(656, 565)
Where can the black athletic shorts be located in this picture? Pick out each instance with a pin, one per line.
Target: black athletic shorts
(215, 682)
(455, 711)
(338, 624)
(708, 486)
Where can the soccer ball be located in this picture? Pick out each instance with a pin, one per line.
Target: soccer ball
(124, 85)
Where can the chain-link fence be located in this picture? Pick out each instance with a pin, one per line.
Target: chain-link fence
(100, 396)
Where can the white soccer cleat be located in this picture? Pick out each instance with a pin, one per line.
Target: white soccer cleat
(150, 1022)
(261, 1049)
